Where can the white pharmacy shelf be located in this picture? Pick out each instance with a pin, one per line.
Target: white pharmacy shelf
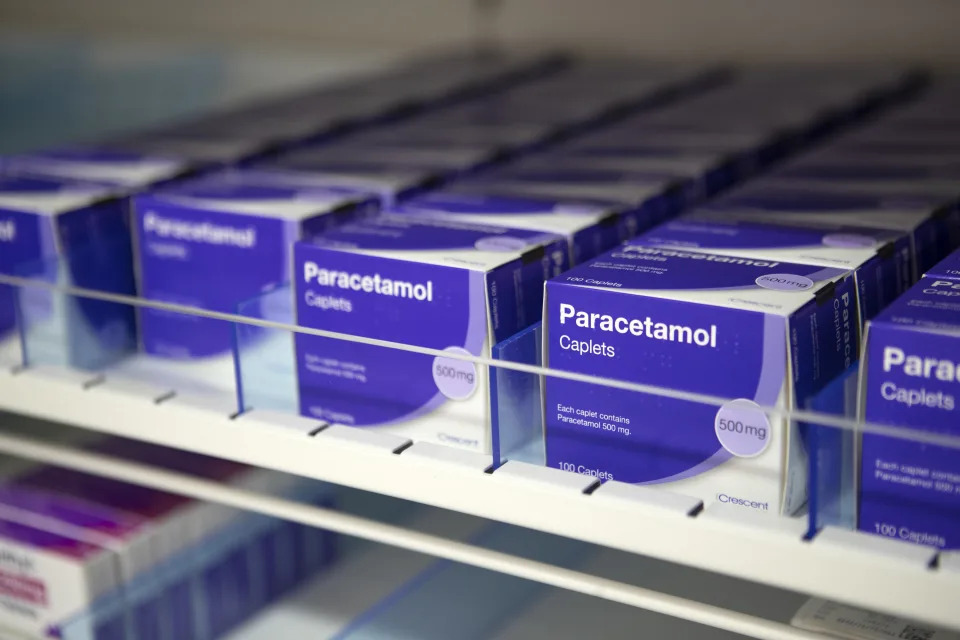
(384, 588)
(881, 574)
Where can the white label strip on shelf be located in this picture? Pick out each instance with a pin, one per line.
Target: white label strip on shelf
(852, 623)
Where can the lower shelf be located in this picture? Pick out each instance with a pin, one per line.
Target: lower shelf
(383, 592)
(386, 592)
(881, 574)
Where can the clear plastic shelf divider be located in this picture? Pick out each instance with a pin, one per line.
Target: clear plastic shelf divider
(266, 368)
(517, 403)
(832, 499)
(57, 328)
(74, 313)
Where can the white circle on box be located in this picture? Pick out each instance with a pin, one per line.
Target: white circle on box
(784, 282)
(456, 379)
(742, 428)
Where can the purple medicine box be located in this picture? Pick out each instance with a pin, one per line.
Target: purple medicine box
(759, 332)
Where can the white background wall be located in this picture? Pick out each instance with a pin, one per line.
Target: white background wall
(745, 30)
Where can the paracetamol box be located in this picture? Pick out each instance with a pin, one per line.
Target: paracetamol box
(932, 222)
(898, 148)
(569, 176)
(111, 167)
(445, 284)
(755, 146)
(370, 176)
(948, 268)
(641, 198)
(425, 131)
(684, 155)
(501, 111)
(199, 151)
(74, 234)
(47, 578)
(624, 140)
(758, 332)
(877, 174)
(267, 126)
(654, 163)
(880, 259)
(910, 378)
(589, 226)
(217, 241)
(440, 157)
